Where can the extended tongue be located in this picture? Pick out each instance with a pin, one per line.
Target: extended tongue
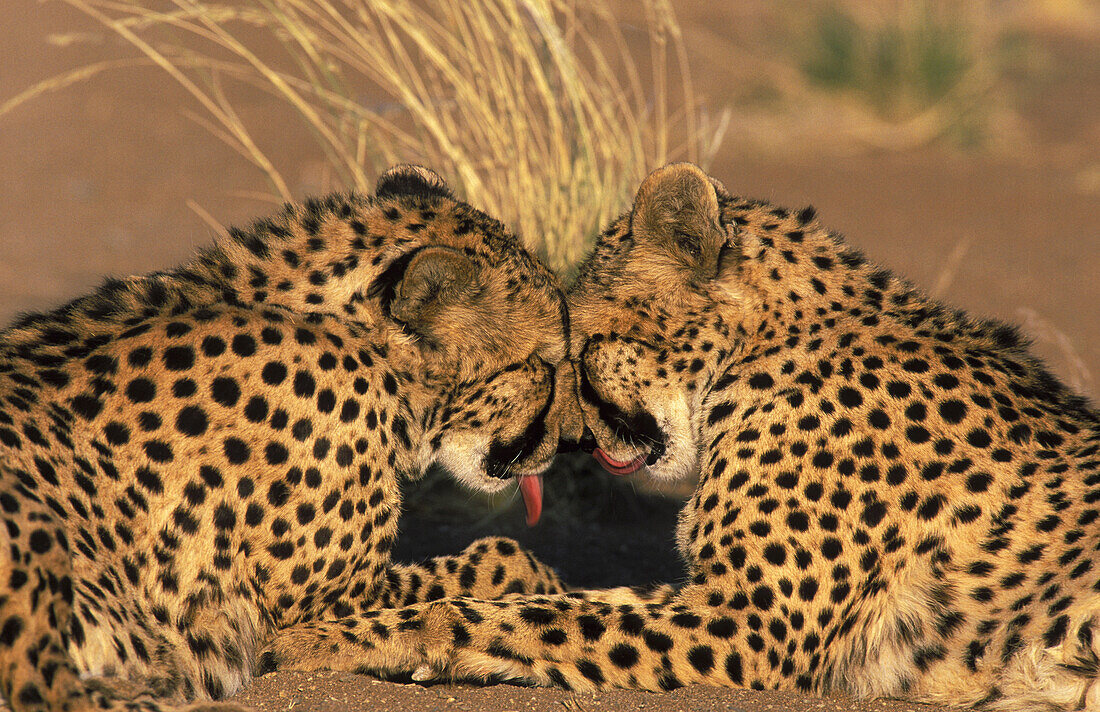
(530, 486)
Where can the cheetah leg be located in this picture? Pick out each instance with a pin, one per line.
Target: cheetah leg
(602, 640)
(37, 674)
(488, 569)
(592, 640)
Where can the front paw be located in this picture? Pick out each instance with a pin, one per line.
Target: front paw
(387, 643)
(305, 647)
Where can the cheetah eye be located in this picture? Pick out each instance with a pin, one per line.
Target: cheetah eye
(688, 243)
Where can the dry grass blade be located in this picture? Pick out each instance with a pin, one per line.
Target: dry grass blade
(534, 109)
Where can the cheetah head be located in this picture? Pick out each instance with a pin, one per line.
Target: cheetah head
(486, 324)
(650, 314)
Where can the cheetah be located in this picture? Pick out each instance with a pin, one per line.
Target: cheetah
(894, 498)
(195, 459)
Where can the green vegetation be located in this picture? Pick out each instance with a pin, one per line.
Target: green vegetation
(925, 61)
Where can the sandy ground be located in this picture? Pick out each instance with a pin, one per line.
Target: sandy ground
(332, 692)
(100, 179)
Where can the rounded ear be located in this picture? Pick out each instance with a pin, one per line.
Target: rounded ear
(407, 179)
(676, 211)
(435, 278)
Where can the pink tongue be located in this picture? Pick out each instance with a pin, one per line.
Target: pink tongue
(531, 488)
(617, 467)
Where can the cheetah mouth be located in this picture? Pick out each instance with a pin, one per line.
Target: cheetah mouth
(639, 427)
(618, 467)
(628, 467)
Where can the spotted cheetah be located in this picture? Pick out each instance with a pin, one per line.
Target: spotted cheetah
(193, 460)
(894, 498)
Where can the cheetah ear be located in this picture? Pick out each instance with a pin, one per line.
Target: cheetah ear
(435, 278)
(407, 179)
(676, 212)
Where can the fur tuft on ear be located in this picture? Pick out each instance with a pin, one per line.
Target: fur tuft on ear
(676, 211)
(435, 278)
(407, 179)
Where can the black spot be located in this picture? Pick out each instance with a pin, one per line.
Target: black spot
(225, 391)
(304, 385)
(213, 346)
(10, 631)
(536, 615)
(191, 421)
(850, 397)
(931, 507)
(761, 381)
(184, 388)
(140, 357)
(979, 438)
(273, 373)
(657, 642)
(244, 345)
(256, 409)
(275, 454)
(591, 627)
(953, 411)
(349, 411)
(141, 390)
(623, 655)
(590, 670)
(404, 181)
(873, 513)
(1057, 632)
(685, 620)
(224, 517)
(179, 358)
(158, 451)
(149, 480)
(723, 410)
(701, 658)
(763, 597)
(722, 628)
(775, 554)
(40, 541)
(915, 365)
(326, 401)
(979, 482)
(236, 451)
(301, 430)
(734, 669)
(281, 550)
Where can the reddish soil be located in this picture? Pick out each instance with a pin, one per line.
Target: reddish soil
(97, 182)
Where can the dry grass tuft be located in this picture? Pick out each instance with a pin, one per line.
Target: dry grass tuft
(535, 110)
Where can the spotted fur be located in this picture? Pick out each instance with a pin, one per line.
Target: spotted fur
(193, 460)
(894, 498)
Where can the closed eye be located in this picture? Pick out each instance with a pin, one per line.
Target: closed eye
(688, 243)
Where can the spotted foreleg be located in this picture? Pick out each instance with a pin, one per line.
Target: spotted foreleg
(581, 641)
(488, 569)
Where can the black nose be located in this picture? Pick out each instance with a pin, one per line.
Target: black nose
(587, 443)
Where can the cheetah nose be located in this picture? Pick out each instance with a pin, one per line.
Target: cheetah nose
(586, 443)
